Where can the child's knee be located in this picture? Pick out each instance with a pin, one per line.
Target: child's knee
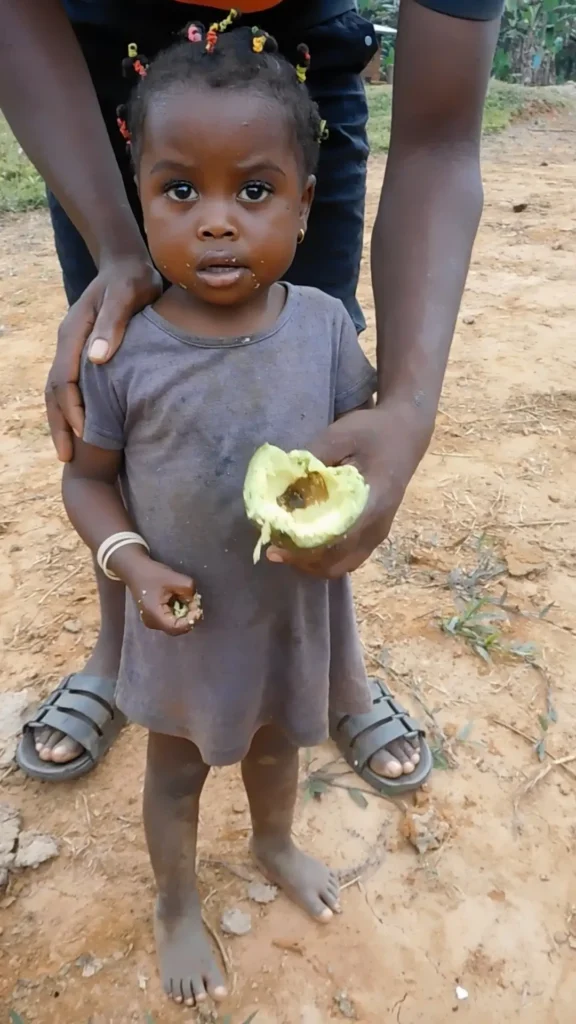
(174, 767)
(270, 746)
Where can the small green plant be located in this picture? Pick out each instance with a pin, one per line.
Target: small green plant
(480, 629)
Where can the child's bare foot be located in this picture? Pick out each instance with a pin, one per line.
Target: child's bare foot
(187, 967)
(305, 880)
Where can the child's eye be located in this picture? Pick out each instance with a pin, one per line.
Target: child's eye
(181, 191)
(255, 192)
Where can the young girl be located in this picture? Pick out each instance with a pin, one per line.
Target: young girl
(224, 140)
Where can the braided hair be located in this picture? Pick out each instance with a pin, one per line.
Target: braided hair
(243, 59)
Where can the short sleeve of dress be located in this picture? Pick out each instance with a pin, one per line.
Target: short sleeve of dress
(355, 376)
(104, 415)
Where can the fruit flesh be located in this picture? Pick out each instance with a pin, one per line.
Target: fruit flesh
(297, 501)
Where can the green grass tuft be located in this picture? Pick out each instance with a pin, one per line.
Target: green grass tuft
(504, 104)
(21, 188)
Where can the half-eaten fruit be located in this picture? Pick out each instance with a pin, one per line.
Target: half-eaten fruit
(297, 501)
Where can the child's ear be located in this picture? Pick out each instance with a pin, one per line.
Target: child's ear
(306, 201)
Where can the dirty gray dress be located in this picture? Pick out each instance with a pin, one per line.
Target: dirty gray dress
(275, 646)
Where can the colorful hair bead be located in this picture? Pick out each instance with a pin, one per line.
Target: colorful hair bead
(303, 62)
(122, 123)
(217, 28)
(194, 32)
(135, 63)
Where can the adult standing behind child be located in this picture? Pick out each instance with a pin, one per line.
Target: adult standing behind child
(59, 89)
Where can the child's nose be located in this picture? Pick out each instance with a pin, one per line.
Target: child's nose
(217, 228)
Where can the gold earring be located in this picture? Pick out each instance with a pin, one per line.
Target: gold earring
(301, 236)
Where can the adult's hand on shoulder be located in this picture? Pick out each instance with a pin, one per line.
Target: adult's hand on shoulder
(100, 317)
(386, 444)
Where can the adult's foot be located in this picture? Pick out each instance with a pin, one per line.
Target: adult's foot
(385, 746)
(396, 759)
(187, 966)
(306, 881)
(53, 745)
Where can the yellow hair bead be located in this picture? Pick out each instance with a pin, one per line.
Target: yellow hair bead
(258, 43)
(132, 50)
(228, 20)
(301, 73)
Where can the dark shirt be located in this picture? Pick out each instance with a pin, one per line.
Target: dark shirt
(312, 12)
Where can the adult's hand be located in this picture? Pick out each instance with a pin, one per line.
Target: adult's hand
(386, 444)
(100, 316)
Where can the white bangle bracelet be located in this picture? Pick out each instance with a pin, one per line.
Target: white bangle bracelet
(113, 544)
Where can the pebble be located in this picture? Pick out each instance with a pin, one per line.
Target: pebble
(235, 922)
(261, 893)
(72, 626)
(560, 938)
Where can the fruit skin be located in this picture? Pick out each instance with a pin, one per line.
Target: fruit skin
(276, 478)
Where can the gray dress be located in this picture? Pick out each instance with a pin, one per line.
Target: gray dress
(275, 646)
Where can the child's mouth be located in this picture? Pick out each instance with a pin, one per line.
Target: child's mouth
(220, 271)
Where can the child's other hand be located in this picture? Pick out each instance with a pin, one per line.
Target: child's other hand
(155, 588)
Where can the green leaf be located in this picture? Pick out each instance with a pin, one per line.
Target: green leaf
(149, 1019)
(358, 797)
(482, 653)
(15, 1018)
(463, 733)
(540, 749)
(439, 759)
(544, 722)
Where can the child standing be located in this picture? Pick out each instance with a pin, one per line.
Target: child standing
(224, 140)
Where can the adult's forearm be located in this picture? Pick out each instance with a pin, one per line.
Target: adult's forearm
(47, 97)
(421, 246)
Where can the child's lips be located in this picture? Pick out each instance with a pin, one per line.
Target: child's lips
(220, 271)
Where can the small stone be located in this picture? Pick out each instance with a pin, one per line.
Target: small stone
(519, 207)
(9, 830)
(34, 849)
(3, 879)
(461, 993)
(261, 893)
(13, 708)
(235, 922)
(345, 1005)
(239, 807)
(560, 938)
(72, 626)
(556, 246)
(468, 320)
(555, 498)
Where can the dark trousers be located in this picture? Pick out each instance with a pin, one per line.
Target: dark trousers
(340, 48)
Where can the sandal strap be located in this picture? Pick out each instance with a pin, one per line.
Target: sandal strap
(81, 707)
(369, 733)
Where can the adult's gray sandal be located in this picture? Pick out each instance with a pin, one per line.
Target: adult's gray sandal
(360, 737)
(83, 708)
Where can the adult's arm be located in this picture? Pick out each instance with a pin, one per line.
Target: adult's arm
(427, 220)
(47, 97)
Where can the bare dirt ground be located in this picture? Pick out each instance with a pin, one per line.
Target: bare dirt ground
(489, 903)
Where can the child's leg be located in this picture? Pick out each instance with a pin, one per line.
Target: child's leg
(270, 773)
(175, 776)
